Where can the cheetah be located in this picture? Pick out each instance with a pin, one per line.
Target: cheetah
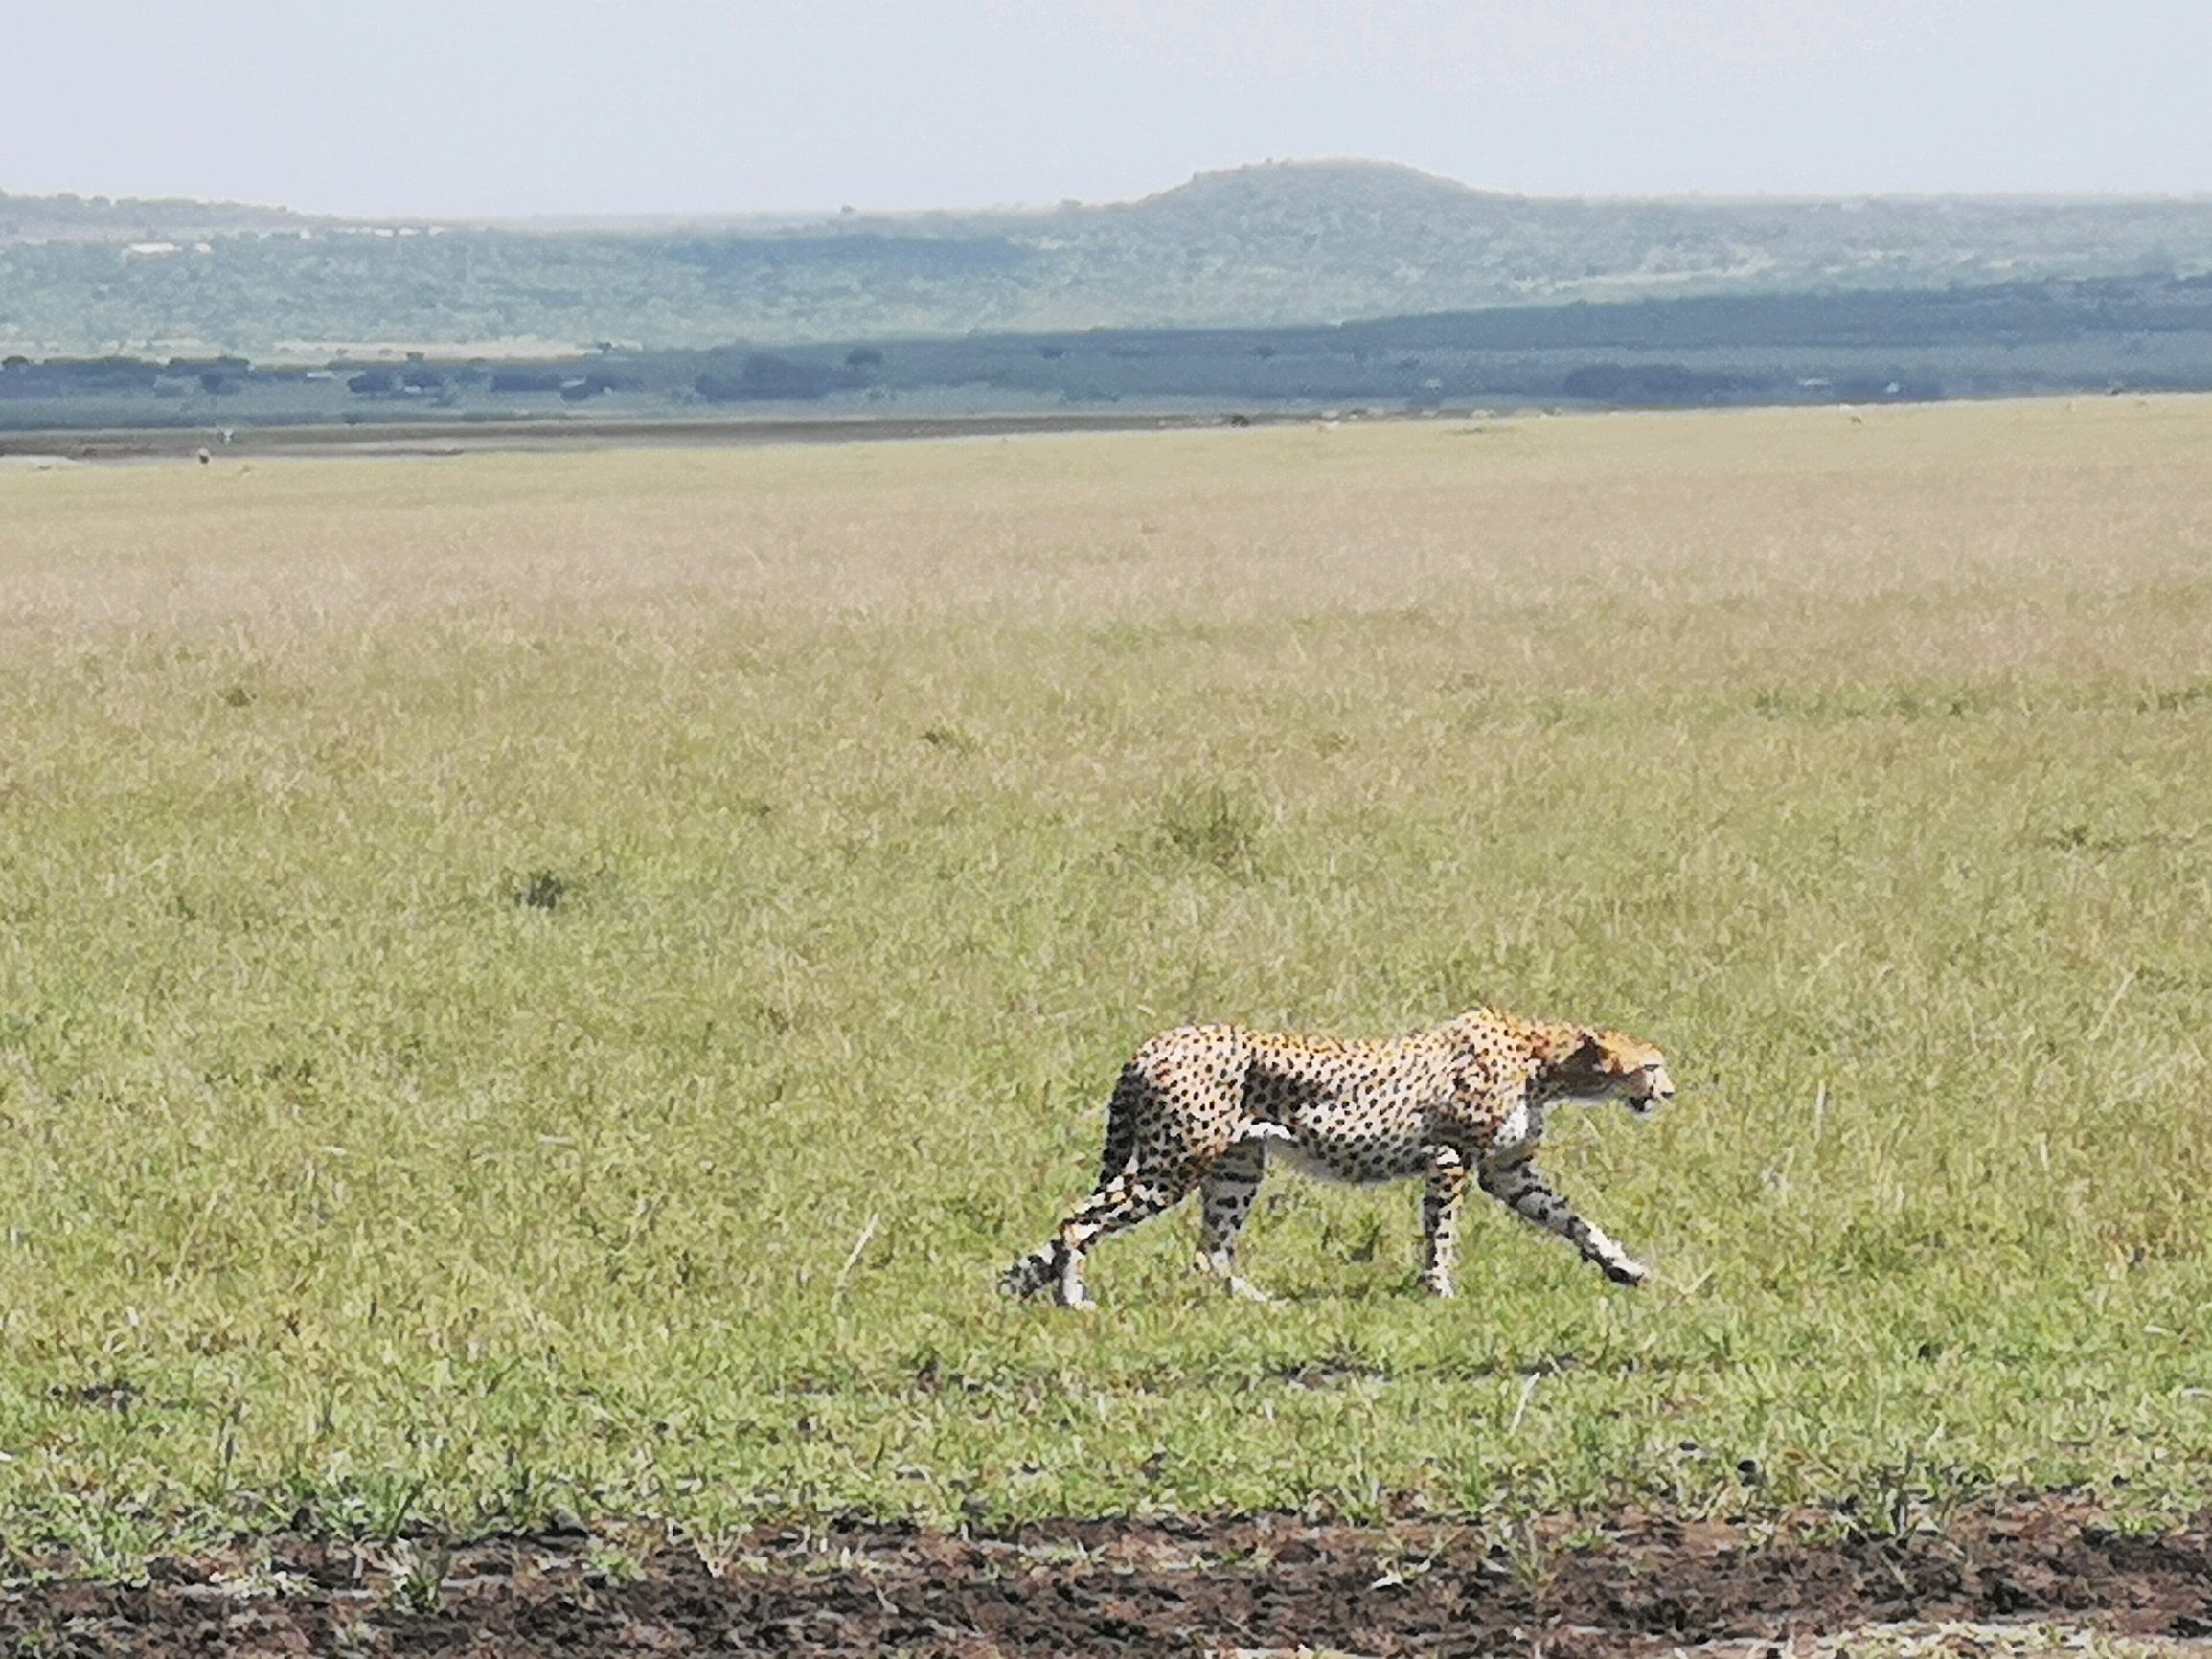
(1212, 1106)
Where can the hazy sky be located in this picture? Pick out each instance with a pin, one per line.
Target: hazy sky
(461, 108)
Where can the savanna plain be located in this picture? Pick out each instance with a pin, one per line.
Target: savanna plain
(546, 988)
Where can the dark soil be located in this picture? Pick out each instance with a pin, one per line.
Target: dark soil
(1643, 1584)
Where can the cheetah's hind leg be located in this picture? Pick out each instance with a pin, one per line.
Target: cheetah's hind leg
(1058, 1265)
(1055, 1265)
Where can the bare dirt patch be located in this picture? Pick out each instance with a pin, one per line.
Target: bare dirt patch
(2024, 1576)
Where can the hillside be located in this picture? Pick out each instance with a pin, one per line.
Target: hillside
(1279, 245)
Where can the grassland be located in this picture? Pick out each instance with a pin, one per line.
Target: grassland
(551, 985)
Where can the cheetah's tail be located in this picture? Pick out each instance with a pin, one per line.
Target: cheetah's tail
(1032, 1273)
(1043, 1266)
(1120, 1156)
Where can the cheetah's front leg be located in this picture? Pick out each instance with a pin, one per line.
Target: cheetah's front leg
(1521, 1190)
(1440, 1209)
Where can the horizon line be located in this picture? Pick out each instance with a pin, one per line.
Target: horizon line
(615, 218)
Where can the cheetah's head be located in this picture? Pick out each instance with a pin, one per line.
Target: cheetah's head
(1608, 1065)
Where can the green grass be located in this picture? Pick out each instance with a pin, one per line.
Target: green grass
(538, 985)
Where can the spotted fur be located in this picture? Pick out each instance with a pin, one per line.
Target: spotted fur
(1211, 1107)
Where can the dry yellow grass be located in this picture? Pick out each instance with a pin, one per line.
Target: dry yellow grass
(1806, 524)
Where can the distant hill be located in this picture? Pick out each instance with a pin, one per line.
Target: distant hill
(1279, 245)
(72, 218)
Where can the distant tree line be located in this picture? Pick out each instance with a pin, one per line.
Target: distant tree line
(2018, 338)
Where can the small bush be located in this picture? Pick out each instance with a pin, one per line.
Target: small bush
(1212, 824)
(542, 890)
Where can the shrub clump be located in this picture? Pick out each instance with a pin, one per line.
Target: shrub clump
(1214, 825)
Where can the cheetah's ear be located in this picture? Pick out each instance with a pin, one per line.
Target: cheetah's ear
(1589, 1049)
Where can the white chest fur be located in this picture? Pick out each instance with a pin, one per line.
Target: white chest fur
(1523, 1126)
